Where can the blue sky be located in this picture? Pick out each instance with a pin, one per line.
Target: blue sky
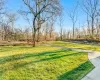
(68, 5)
(15, 5)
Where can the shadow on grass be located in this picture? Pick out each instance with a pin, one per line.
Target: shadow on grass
(77, 73)
(24, 56)
(53, 55)
(19, 65)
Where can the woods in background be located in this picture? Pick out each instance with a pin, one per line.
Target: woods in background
(42, 16)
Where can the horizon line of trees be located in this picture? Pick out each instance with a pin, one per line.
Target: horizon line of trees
(42, 15)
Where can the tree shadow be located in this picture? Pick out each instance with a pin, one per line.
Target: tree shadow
(77, 73)
(53, 55)
(19, 65)
(28, 55)
(58, 57)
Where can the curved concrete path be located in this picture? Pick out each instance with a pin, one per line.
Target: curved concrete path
(94, 57)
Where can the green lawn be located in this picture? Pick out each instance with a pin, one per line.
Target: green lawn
(75, 45)
(42, 63)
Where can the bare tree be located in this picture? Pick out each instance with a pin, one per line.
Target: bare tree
(46, 7)
(27, 34)
(61, 26)
(2, 3)
(12, 17)
(97, 29)
(46, 31)
(51, 28)
(91, 9)
(73, 16)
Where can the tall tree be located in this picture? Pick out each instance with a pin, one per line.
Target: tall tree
(90, 7)
(48, 7)
(46, 31)
(61, 26)
(73, 16)
(2, 3)
(12, 17)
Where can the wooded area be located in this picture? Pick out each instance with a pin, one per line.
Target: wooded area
(41, 16)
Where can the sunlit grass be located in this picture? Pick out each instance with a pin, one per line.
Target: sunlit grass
(42, 63)
(10, 50)
(75, 45)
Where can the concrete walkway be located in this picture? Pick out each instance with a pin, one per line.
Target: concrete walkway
(94, 57)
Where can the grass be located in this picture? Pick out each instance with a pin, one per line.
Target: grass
(42, 63)
(75, 45)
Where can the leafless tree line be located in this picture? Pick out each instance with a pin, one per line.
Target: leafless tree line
(42, 15)
(90, 29)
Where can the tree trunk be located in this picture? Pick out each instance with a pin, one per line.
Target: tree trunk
(33, 35)
(34, 32)
(92, 27)
(38, 35)
(61, 34)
